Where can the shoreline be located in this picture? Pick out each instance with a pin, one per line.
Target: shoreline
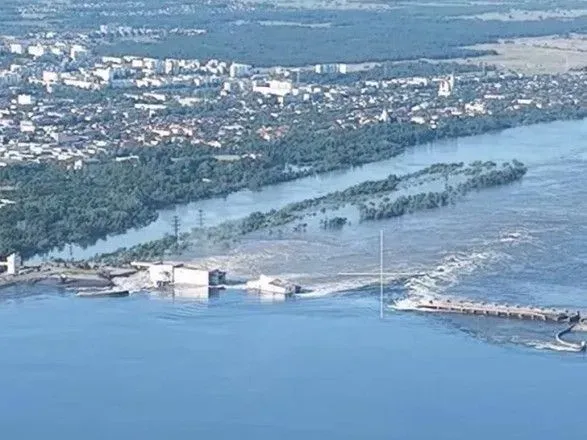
(68, 276)
(478, 130)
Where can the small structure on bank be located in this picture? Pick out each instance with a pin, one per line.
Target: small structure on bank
(266, 284)
(11, 264)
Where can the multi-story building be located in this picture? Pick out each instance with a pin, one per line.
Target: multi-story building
(239, 70)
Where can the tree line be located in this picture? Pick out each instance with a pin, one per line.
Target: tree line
(431, 200)
(481, 174)
(55, 206)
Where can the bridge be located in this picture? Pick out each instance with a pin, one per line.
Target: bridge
(499, 310)
(513, 312)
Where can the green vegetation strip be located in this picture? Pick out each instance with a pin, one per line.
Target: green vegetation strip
(430, 200)
(479, 175)
(55, 206)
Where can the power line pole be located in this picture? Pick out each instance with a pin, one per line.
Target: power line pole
(176, 225)
(201, 218)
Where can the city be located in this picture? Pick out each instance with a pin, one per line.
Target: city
(62, 103)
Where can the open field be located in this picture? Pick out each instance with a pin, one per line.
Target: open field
(552, 54)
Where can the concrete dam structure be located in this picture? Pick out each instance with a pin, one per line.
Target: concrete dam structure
(511, 312)
(499, 310)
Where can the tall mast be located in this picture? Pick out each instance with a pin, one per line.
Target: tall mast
(381, 273)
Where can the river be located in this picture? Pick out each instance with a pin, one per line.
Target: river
(532, 145)
(326, 366)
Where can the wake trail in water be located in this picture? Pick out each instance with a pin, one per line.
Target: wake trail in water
(549, 346)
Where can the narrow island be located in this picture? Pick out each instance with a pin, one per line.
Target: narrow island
(368, 201)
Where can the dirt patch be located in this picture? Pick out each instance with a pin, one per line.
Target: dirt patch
(552, 54)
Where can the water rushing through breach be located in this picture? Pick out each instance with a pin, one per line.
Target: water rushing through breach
(325, 366)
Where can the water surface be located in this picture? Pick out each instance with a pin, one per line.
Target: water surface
(236, 368)
(326, 366)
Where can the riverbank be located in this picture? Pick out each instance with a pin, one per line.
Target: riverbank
(485, 232)
(371, 200)
(519, 244)
(154, 182)
(66, 275)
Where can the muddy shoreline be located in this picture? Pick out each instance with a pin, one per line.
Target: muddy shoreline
(66, 276)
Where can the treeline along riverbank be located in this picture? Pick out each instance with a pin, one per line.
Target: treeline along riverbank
(475, 176)
(54, 206)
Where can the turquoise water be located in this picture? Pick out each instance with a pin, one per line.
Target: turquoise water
(327, 367)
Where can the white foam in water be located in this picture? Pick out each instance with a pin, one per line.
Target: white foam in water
(448, 273)
(520, 236)
(405, 304)
(316, 265)
(326, 288)
(552, 346)
(453, 268)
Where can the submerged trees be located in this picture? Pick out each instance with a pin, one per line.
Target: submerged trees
(406, 204)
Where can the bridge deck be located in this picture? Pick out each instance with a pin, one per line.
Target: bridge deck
(501, 310)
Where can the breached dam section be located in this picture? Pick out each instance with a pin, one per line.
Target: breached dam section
(498, 310)
(465, 307)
